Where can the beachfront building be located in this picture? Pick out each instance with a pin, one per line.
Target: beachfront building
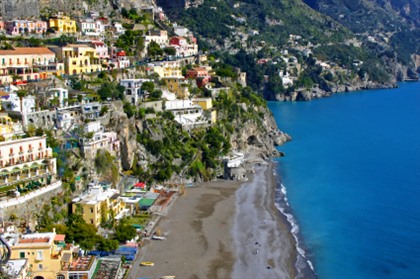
(48, 256)
(22, 27)
(28, 63)
(63, 24)
(26, 163)
(78, 59)
(97, 204)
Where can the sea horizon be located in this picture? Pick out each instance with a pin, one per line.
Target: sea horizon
(352, 180)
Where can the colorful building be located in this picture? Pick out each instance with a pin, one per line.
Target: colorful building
(18, 27)
(63, 24)
(184, 47)
(168, 69)
(48, 257)
(200, 74)
(97, 204)
(78, 59)
(29, 63)
(26, 163)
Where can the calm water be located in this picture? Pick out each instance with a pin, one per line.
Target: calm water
(352, 173)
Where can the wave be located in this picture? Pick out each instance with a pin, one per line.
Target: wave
(281, 202)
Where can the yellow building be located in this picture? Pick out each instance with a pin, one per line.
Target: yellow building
(9, 128)
(48, 257)
(177, 85)
(78, 59)
(30, 63)
(97, 204)
(168, 69)
(207, 105)
(63, 24)
(41, 251)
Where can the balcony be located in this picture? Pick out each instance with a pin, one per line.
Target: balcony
(30, 151)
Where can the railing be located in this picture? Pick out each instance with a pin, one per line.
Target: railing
(4, 251)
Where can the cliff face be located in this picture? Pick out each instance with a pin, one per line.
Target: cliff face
(32, 8)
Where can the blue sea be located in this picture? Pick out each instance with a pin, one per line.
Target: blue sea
(352, 174)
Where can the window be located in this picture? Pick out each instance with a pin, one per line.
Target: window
(22, 255)
(60, 276)
(40, 267)
(39, 255)
(91, 210)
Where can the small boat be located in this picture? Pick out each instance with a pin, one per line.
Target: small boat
(147, 264)
(156, 237)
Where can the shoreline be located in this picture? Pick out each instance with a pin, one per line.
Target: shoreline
(209, 233)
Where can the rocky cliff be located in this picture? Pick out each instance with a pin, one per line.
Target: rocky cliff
(256, 137)
(33, 8)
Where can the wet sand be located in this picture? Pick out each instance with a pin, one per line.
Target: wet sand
(199, 230)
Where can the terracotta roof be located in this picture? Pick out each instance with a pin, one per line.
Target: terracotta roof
(59, 237)
(26, 50)
(35, 240)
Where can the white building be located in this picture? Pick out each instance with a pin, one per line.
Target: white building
(99, 140)
(187, 113)
(12, 102)
(91, 27)
(91, 110)
(158, 36)
(180, 30)
(65, 119)
(132, 92)
(24, 160)
(61, 94)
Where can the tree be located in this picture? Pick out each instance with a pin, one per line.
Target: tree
(156, 95)
(169, 50)
(21, 93)
(81, 232)
(124, 231)
(107, 245)
(154, 49)
(148, 86)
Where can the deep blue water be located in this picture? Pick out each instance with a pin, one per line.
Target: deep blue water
(352, 173)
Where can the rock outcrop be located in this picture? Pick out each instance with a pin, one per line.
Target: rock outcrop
(33, 8)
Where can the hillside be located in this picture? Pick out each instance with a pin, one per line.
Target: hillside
(317, 53)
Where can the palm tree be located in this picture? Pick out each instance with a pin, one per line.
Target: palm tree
(21, 93)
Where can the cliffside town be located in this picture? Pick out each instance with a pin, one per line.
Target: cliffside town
(110, 110)
(111, 119)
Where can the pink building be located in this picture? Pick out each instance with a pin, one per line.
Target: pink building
(101, 49)
(17, 27)
(183, 46)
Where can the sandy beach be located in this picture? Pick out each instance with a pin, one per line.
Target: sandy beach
(199, 230)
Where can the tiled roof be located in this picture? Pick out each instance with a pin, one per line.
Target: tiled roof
(26, 50)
